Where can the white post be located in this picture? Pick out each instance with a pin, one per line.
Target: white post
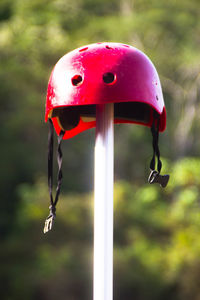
(103, 204)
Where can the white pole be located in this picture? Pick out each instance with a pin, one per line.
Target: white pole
(103, 204)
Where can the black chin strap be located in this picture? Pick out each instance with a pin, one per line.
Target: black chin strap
(156, 151)
(155, 176)
(50, 219)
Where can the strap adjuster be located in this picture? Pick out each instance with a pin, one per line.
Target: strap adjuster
(155, 177)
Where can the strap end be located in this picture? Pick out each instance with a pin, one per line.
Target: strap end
(155, 177)
(49, 223)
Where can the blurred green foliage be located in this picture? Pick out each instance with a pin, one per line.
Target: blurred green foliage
(157, 248)
(156, 242)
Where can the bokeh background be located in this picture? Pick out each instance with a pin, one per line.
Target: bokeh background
(157, 243)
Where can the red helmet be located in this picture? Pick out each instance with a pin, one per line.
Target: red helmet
(103, 73)
(98, 74)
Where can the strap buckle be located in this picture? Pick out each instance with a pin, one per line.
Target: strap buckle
(50, 219)
(155, 177)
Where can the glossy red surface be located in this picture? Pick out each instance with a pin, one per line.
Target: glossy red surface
(104, 73)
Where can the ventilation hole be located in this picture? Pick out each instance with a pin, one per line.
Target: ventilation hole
(108, 47)
(109, 78)
(157, 98)
(126, 46)
(77, 80)
(83, 49)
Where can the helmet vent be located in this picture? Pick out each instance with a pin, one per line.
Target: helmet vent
(157, 98)
(108, 47)
(83, 49)
(109, 78)
(77, 80)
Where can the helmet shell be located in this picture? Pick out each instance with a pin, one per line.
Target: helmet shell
(79, 79)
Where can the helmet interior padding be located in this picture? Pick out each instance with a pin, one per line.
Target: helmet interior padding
(69, 117)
